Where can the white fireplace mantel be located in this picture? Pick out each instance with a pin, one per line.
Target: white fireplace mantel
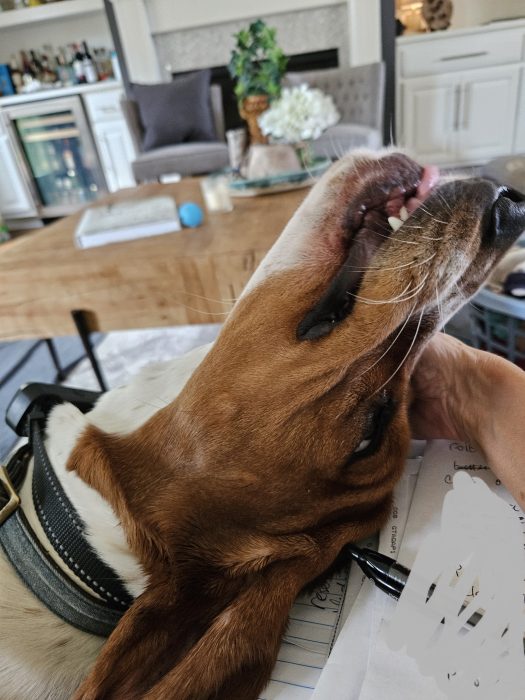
(145, 25)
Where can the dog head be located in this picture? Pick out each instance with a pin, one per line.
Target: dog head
(287, 440)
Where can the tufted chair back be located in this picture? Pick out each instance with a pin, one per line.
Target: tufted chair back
(358, 92)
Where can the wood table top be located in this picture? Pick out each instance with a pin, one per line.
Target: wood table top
(189, 276)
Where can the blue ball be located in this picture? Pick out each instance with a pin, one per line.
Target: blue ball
(190, 214)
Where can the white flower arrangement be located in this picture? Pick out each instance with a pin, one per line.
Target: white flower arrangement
(300, 114)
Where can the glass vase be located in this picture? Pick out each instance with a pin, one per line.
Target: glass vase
(305, 153)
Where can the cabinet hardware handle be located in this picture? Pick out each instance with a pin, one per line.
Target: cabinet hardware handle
(477, 54)
(466, 95)
(457, 103)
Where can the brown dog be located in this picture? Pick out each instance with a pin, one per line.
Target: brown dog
(288, 438)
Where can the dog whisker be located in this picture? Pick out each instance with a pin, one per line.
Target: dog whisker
(443, 200)
(406, 354)
(463, 296)
(200, 296)
(287, 640)
(161, 401)
(392, 238)
(440, 310)
(396, 267)
(394, 300)
(429, 213)
(391, 344)
(408, 227)
(204, 311)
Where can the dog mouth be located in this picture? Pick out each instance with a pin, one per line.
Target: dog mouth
(454, 232)
(391, 190)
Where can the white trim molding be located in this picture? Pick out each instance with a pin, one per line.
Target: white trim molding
(137, 41)
(169, 16)
(364, 30)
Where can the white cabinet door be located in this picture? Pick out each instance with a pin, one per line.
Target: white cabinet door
(116, 153)
(489, 101)
(519, 145)
(431, 116)
(15, 198)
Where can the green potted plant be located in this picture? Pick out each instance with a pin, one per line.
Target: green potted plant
(257, 65)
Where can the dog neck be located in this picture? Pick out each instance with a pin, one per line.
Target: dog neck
(121, 410)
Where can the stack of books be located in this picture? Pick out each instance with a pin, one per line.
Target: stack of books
(127, 221)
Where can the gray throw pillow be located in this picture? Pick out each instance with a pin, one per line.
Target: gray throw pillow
(176, 112)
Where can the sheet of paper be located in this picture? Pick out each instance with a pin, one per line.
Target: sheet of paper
(361, 666)
(347, 665)
(392, 533)
(308, 640)
(443, 459)
(307, 646)
(395, 675)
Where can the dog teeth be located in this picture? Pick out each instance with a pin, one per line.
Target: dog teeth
(394, 223)
(403, 214)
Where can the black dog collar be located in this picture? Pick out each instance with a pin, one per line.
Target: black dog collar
(61, 523)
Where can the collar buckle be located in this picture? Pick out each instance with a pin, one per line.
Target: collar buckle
(13, 499)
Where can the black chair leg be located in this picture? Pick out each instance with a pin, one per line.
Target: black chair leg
(61, 373)
(82, 326)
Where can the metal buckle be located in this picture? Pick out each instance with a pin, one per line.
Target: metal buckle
(14, 500)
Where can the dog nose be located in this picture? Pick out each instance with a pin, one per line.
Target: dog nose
(507, 216)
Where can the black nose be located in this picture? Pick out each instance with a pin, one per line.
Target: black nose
(508, 215)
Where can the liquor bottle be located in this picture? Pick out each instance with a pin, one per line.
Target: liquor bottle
(78, 64)
(16, 73)
(102, 63)
(49, 76)
(65, 71)
(90, 71)
(28, 74)
(36, 65)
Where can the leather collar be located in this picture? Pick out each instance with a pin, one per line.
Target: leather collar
(97, 614)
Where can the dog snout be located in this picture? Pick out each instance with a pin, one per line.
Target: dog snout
(507, 219)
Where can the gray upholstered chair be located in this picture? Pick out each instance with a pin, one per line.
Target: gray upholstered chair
(190, 158)
(507, 170)
(359, 94)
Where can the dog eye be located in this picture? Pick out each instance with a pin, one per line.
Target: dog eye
(362, 446)
(377, 422)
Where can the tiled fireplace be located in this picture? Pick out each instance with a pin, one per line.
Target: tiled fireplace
(298, 32)
(311, 38)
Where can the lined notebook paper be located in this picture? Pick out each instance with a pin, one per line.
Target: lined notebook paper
(362, 666)
(313, 623)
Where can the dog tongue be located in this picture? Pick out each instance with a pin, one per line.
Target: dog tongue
(429, 179)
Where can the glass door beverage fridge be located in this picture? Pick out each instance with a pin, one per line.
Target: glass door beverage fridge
(59, 154)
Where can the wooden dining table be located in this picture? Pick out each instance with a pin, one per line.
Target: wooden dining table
(186, 277)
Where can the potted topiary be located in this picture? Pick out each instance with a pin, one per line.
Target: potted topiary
(257, 65)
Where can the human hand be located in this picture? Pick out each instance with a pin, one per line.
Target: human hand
(441, 385)
(461, 393)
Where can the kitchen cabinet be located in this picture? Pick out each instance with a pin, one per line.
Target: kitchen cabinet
(112, 138)
(461, 98)
(16, 200)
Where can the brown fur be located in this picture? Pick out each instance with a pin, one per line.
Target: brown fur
(238, 494)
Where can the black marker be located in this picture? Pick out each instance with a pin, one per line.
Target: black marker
(390, 576)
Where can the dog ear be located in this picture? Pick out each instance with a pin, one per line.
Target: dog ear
(171, 644)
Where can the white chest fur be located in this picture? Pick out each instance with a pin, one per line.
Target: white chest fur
(42, 656)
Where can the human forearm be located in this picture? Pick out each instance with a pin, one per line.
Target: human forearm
(490, 402)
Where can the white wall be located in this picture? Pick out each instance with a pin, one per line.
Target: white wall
(472, 13)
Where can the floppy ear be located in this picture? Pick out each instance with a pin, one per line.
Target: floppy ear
(166, 646)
